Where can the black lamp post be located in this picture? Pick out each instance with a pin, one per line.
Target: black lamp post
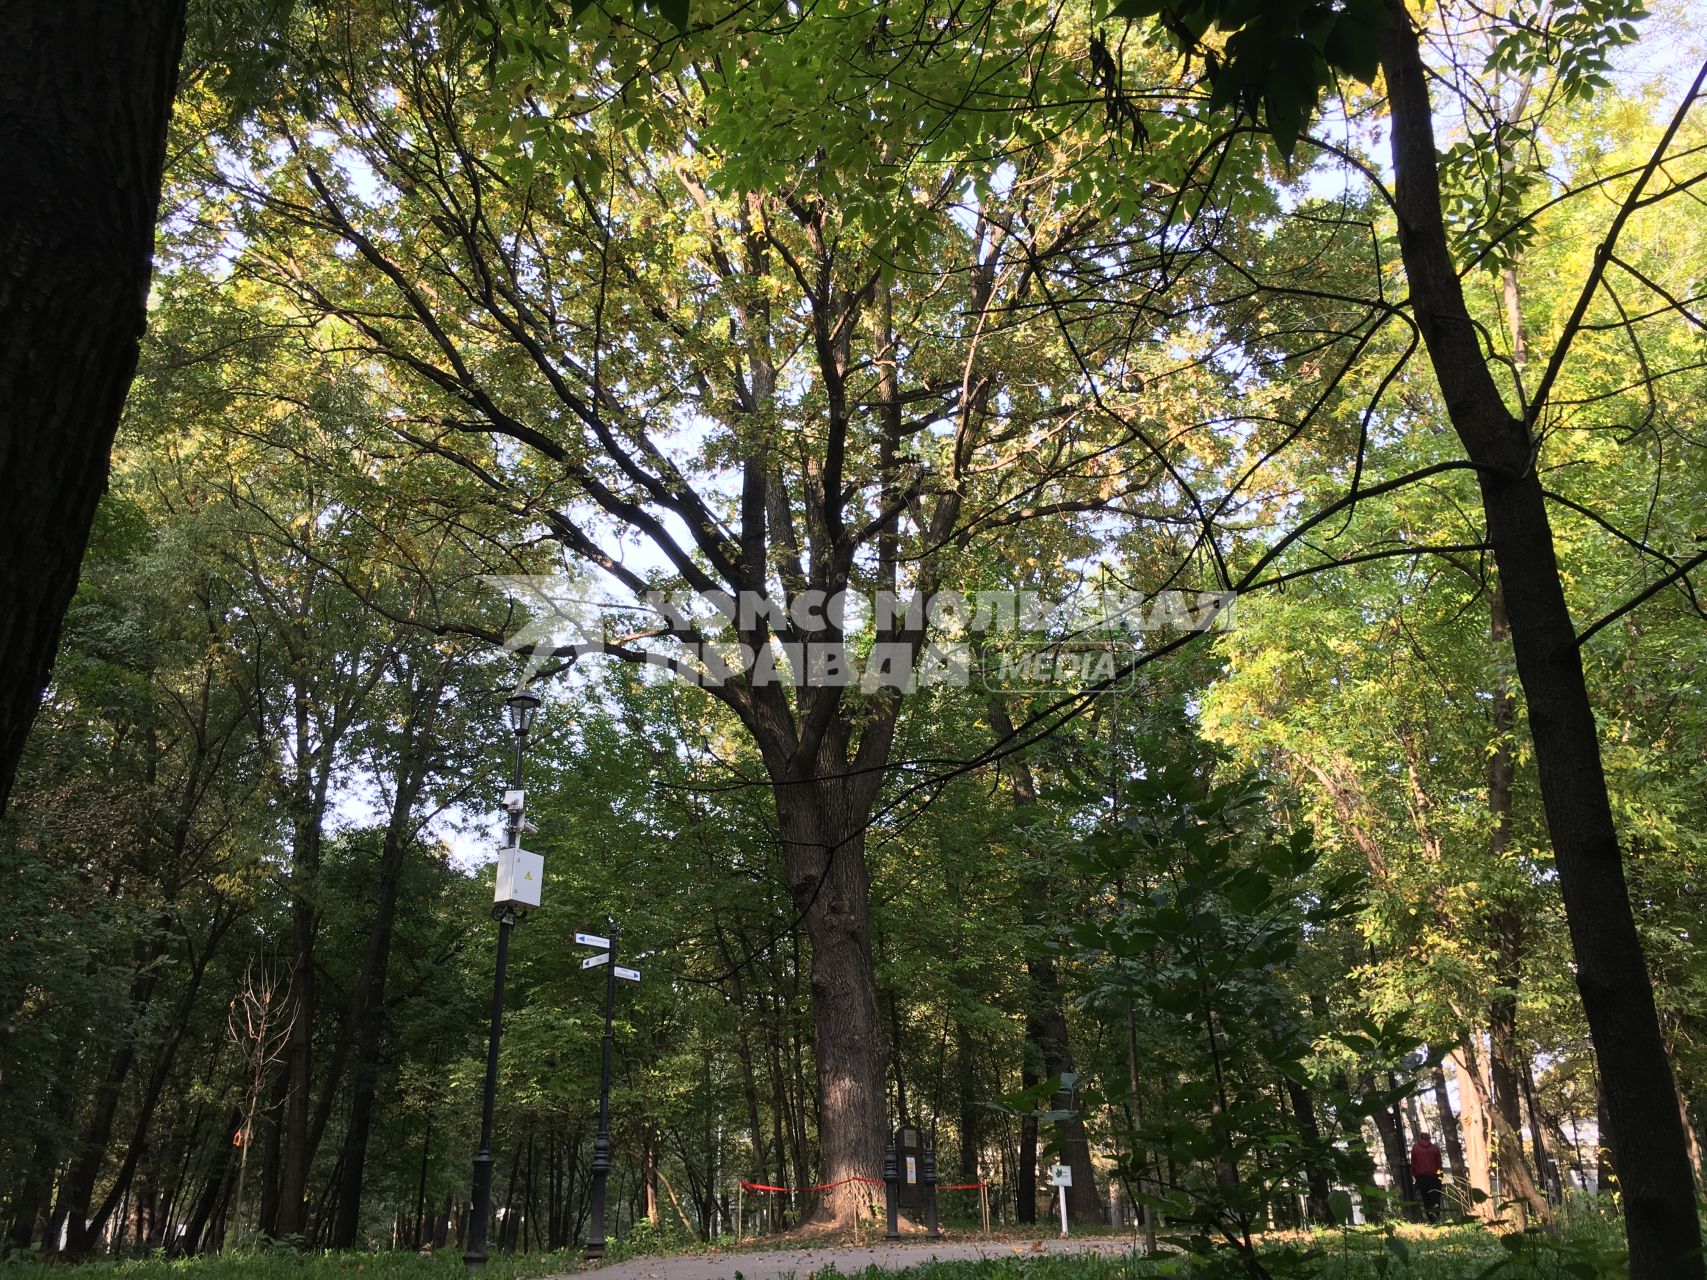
(520, 708)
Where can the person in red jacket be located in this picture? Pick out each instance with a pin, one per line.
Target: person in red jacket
(1425, 1173)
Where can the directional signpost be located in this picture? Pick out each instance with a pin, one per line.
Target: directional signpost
(602, 1143)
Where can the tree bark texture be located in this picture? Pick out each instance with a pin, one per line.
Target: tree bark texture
(86, 91)
(824, 853)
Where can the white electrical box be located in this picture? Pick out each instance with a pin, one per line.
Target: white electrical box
(520, 874)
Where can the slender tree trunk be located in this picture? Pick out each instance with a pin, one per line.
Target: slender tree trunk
(1146, 1182)
(1025, 1181)
(1452, 1138)
(649, 1173)
(1612, 976)
(971, 1113)
(1697, 1158)
(1046, 1021)
(1543, 1166)
(86, 90)
(214, 1186)
(744, 1055)
(367, 1005)
(272, 1148)
(71, 1212)
(1393, 1153)
(1315, 1173)
(294, 1157)
(154, 1089)
(31, 1200)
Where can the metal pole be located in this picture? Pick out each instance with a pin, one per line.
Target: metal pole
(935, 1232)
(892, 1191)
(602, 1143)
(481, 1215)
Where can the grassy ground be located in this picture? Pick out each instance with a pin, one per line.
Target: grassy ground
(1586, 1248)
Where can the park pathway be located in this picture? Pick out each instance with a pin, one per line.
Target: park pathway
(849, 1260)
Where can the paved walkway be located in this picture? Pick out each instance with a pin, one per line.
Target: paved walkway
(849, 1260)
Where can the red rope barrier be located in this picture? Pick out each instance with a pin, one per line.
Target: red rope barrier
(964, 1186)
(822, 1186)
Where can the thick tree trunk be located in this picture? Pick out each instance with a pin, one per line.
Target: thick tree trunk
(1473, 1120)
(1517, 1186)
(86, 92)
(1612, 976)
(824, 853)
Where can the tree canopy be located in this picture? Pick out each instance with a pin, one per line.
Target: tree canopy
(1114, 581)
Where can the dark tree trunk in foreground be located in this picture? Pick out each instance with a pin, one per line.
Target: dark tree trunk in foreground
(85, 95)
(1612, 976)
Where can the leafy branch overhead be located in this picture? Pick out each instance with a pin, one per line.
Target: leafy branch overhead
(1272, 59)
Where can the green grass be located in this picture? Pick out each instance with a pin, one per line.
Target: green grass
(283, 1264)
(1587, 1247)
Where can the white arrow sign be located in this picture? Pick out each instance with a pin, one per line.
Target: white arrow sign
(594, 961)
(592, 940)
(633, 975)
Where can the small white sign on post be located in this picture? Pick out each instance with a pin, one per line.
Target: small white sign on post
(592, 940)
(520, 875)
(594, 961)
(629, 975)
(1062, 1176)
